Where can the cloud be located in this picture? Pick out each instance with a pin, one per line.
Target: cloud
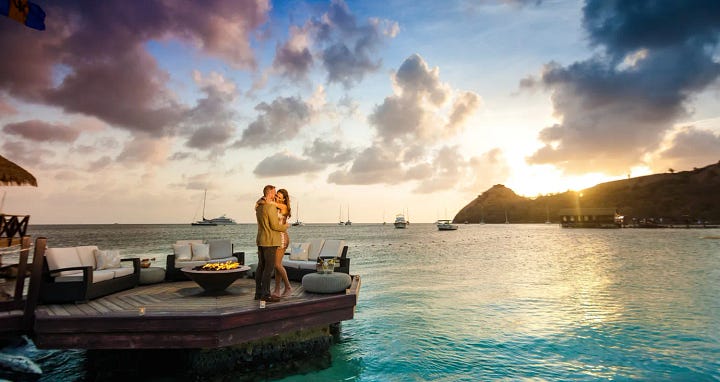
(328, 152)
(416, 109)
(373, 165)
(447, 169)
(278, 121)
(100, 164)
(691, 147)
(6, 109)
(211, 120)
(39, 131)
(617, 106)
(412, 123)
(293, 59)
(344, 46)
(285, 164)
(145, 149)
(26, 155)
(94, 60)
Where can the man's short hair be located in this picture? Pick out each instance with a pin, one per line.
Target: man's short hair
(266, 189)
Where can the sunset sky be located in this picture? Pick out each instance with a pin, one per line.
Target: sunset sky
(126, 113)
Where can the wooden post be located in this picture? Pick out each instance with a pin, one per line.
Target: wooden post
(35, 281)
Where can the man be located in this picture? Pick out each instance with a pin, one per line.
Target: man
(268, 241)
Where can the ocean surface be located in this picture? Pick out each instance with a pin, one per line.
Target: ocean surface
(490, 302)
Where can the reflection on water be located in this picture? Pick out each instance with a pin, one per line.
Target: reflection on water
(502, 301)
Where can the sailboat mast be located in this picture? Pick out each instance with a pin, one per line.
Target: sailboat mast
(204, 197)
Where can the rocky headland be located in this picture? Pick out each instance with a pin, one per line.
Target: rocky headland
(676, 197)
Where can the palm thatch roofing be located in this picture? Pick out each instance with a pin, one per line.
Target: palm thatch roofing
(12, 174)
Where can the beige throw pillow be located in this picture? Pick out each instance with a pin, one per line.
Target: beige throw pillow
(107, 259)
(299, 251)
(182, 252)
(200, 252)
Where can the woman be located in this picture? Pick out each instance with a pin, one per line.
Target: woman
(282, 199)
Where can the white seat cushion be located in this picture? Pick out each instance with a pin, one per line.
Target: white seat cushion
(98, 276)
(332, 248)
(103, 275)
(299, 251)
(58, 258)
(315, 248)
(298, 264)
(220, 249)
(87, 255)
(122, 271)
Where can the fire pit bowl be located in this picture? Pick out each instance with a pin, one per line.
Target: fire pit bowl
(215, 281)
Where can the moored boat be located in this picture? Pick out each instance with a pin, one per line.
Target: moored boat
(446, 225)
(400, 221)
(223, 220)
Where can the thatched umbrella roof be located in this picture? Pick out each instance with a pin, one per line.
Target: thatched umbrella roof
(12, 174)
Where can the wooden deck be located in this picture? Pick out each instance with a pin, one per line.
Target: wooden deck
(181, 315)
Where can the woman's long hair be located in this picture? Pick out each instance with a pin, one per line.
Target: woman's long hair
(287, 199)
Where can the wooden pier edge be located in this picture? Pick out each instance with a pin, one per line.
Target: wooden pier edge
(208, 322)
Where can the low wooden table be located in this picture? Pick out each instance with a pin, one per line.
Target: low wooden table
(215, 281)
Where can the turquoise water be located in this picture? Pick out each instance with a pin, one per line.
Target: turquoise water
(495, 302)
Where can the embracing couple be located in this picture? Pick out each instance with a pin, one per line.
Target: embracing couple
(272, 212)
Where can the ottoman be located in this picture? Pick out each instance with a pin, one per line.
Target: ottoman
(326, 282)
(151, 275)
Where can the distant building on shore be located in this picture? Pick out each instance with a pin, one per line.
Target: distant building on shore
(590, 218)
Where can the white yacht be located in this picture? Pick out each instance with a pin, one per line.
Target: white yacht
(223, 220)
(446, 225)
(400, 221)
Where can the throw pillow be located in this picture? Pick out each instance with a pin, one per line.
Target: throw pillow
(299, 251)
(107, 259)
(200, 252)
(182, 252)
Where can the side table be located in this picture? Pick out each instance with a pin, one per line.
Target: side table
(326, 282)
(152, 275)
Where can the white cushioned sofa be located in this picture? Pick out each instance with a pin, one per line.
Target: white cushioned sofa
(79, 274)
(302, 258)
(194, 253)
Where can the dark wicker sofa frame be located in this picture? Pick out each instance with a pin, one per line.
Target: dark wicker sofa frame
(84, 290)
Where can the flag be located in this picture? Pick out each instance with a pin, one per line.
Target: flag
(24, 12)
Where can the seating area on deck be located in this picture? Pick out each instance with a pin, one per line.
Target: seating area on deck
(303, 257)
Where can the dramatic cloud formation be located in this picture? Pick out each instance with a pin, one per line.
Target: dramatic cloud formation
(96, 62)
(416, 113)
(344, 46)
(617, 107)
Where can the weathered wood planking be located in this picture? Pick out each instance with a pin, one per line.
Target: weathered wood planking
(181, 315)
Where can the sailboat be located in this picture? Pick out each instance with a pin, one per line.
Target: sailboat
(297, 216)
(547, 214)
(340, 222)
(348, 222)
(204, 222)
